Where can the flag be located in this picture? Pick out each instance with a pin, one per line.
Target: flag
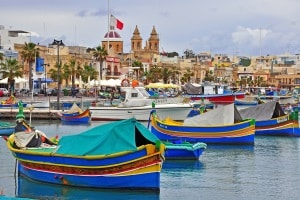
(115, 23)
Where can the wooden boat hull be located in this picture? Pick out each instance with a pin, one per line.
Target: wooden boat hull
(6, 131)
(14, 105)
(218, 98)
(239, 133)
(179, 111)
(287, 125)
(120, 170)
(245, 103)
(83, 117)
(184, 152)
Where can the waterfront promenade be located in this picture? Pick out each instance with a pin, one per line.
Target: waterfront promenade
(42, 113)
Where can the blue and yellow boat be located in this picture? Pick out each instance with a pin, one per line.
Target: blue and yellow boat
(75, 115)
(271, 120)
(184, 150)
(122, 154)
(222, 125)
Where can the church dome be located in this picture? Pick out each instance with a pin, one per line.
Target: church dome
(112, 35)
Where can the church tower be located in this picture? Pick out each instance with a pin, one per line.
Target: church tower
(136, 40)
(153, 41)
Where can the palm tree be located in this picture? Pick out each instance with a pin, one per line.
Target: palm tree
(100, 54)
(155, 72)
(75, 71)
(66, 73)
(29, 55)
(88, 72)
(139, 64)
(166, 74)
(187, 76)
(54, 73)
(11, 69)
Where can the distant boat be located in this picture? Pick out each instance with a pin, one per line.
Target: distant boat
(136, 102)
(184, 151)
(6, 128)
(243, 102)
(75, 115)
(41, 105)
(222, 125)
(11, 102)
(217, 94)
(270, 119)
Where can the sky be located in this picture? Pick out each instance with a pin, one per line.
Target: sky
(232, 27)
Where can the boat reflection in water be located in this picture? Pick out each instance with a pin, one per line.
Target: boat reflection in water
(182, 164)
(28, 188)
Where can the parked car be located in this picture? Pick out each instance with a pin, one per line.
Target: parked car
(54, 92)
(24, 92)
(35, 92)
(4, 92)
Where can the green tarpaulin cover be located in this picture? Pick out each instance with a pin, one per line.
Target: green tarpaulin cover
(124, 135)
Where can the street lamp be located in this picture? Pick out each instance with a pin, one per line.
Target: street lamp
(58, 43)
(45, 67)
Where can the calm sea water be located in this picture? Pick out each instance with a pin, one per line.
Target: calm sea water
(268, 170)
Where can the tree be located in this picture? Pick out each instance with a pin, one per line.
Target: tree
(189, 53)
(155, 73)
(29, 55)
(54, 73)
(175, 75)
(187, 76)
(166, 74)
(139, 64)
(209, 76)
(100, 55)
(66, 73)
(11, 69)
(245, 62)
(87, 72)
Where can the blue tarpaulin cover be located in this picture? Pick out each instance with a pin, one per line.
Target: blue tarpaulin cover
(114, 137)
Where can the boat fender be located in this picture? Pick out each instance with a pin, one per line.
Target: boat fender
(135, 83)
(125, 83)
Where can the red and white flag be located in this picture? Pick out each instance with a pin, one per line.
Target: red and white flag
(115, 23)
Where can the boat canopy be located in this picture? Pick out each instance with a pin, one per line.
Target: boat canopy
(264, 111)
(115, 137)
(222, 115)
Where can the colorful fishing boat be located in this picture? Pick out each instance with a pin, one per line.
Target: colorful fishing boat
(222, 125)
(218, 94)
(244, 102)
(270, 119)
(10, 102)
(75, 115)
(184, 151)
(120, 154)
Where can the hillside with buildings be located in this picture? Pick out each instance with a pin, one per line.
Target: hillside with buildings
(147, 63)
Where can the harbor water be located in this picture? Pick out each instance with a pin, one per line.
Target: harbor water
(268, 170)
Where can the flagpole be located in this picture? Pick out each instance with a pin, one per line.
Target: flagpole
(108, 26)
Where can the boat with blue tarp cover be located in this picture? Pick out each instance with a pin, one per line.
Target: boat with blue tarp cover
(121, 154)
